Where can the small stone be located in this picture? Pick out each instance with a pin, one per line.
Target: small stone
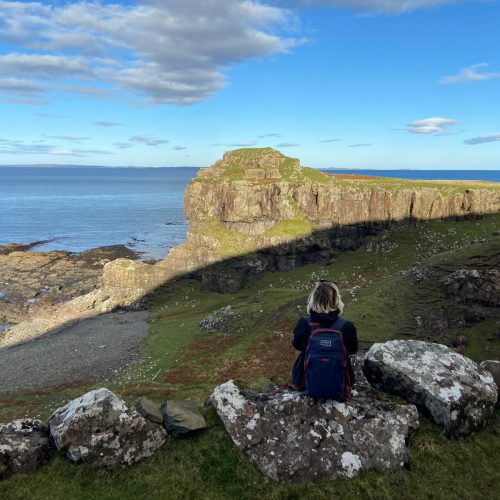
(149, 410)
(182, 416)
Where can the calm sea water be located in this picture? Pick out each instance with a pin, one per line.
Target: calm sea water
(81, 208)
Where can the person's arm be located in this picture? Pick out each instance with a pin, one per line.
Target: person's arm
(350, 338)
(301, 335)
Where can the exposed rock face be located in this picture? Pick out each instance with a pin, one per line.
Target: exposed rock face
(473, 286)
(33, 282)
(453, 390)
(103, 429)
(24, 446)
(260, 202)
(287, 439)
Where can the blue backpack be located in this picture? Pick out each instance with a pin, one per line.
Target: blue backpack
(325, 366)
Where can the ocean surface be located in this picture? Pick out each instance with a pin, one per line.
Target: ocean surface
(78, 208)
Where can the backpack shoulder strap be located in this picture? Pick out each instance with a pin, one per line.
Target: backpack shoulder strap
(338, 324)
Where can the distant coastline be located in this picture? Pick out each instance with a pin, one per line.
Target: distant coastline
(422, 174)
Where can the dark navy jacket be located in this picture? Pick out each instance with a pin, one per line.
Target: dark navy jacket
(302, 333)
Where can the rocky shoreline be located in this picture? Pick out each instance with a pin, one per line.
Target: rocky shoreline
(32, 282)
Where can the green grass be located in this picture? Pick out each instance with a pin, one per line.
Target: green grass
(180, 361)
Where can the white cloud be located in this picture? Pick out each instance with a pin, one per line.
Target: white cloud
(16, 147)
(481, 139)
(68, 138)
(474, 73)
(360, 145)
(148, 140)
(104, 123)
(174, 52)
(243, 144)
(430, 126)
(381, 6)
(287, 145)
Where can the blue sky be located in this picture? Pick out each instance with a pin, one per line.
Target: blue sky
(336, 83)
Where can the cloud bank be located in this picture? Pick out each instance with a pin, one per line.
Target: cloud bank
(173, 52)
(481, 139)
(381, 6)
(474, 73)
(431, 126)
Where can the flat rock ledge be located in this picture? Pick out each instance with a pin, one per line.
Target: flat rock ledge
(288, 440)
(453, 390)
(24, 446)
(103, 429)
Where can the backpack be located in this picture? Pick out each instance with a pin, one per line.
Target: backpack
(325, 366)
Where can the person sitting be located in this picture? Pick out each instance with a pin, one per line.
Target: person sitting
(332, 334)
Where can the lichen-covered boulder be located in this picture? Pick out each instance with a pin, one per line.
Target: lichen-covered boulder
(101, 428)
(285, 438)
(453, 390)
(24, 446)
(493, 366)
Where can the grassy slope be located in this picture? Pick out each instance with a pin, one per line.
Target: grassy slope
(182, 362)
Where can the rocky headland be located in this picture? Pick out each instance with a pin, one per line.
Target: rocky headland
(253, 210)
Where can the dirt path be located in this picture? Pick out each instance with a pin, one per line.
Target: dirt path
(93, 349)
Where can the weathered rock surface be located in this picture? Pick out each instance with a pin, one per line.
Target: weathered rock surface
(24, 446)
(493, 366)
(287, 439)
(149, 410)
(181, 416)
(33, 282)
(260, 202)
(453, 390)
(474, 286)
(101, 428)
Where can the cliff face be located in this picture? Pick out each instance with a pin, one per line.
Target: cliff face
(261, 202)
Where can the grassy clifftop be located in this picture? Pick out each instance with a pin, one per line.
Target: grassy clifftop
(254, 163)
(383, 298)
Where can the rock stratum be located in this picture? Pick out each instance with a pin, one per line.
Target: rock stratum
(256, 210)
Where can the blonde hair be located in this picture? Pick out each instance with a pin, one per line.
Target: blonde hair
(325, 298)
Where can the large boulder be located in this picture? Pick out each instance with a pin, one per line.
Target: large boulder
(453, 390)
(493, 366)
(285, 438)
(101, 428)
(24, 446)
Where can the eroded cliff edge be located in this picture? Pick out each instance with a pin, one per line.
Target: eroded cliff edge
(257, 210)
(262, 205)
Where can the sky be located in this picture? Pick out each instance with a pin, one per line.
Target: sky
(337, 83)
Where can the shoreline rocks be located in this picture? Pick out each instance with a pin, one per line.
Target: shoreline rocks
(453, 390)
(33, 282)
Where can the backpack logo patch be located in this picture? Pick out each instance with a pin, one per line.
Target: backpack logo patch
(326, 343)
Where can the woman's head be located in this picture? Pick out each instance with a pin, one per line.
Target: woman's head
(325, 298)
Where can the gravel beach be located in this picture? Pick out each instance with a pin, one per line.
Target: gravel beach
(93, 349)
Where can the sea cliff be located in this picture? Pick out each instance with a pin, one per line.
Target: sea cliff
(265, 206)
(257, 210)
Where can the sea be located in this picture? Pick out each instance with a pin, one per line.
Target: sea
(78, 208)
